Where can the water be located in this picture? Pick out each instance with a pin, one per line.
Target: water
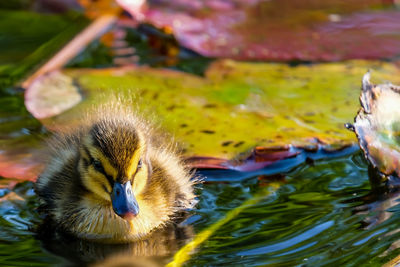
(319, 214)
(313, 219)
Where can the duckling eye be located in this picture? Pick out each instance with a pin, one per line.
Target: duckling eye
(139, 165)
(98, 166)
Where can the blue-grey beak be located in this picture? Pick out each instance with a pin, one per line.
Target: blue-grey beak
(123, 201)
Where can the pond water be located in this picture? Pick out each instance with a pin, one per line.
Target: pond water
(319, 213)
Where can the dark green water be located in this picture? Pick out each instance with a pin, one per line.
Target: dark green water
(28, 39)
(322, 214)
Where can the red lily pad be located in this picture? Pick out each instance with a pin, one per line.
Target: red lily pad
(260, 157)
(281, 30)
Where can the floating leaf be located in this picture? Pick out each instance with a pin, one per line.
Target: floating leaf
(377, 125)
(280, 30)
(259, 158)
(56, 93)
(237, 106)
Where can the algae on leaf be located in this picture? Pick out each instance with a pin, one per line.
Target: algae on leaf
(236, 106)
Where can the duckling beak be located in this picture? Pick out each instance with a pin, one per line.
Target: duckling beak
(123, 201)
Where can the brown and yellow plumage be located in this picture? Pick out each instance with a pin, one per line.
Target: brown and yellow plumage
(114, 179)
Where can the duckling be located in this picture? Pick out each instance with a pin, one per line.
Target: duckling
(114, 179)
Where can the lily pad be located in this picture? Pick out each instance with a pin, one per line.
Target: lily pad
(280, 30)
(237, 106)
(52, 94)
(377, 126)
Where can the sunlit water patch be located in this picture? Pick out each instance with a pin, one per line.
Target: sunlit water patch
(319, 213)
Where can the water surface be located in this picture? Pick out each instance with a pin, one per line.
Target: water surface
(322, 213)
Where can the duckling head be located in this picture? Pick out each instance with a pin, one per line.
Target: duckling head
(113, 165)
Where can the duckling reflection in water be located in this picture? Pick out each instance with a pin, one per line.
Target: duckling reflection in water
(156, 249)
(114, 179)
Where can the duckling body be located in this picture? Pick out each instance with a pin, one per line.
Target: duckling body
(113, 179)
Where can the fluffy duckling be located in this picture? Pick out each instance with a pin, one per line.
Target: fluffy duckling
(114, 179)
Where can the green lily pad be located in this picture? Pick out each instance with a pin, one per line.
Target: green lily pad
(236, 106)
